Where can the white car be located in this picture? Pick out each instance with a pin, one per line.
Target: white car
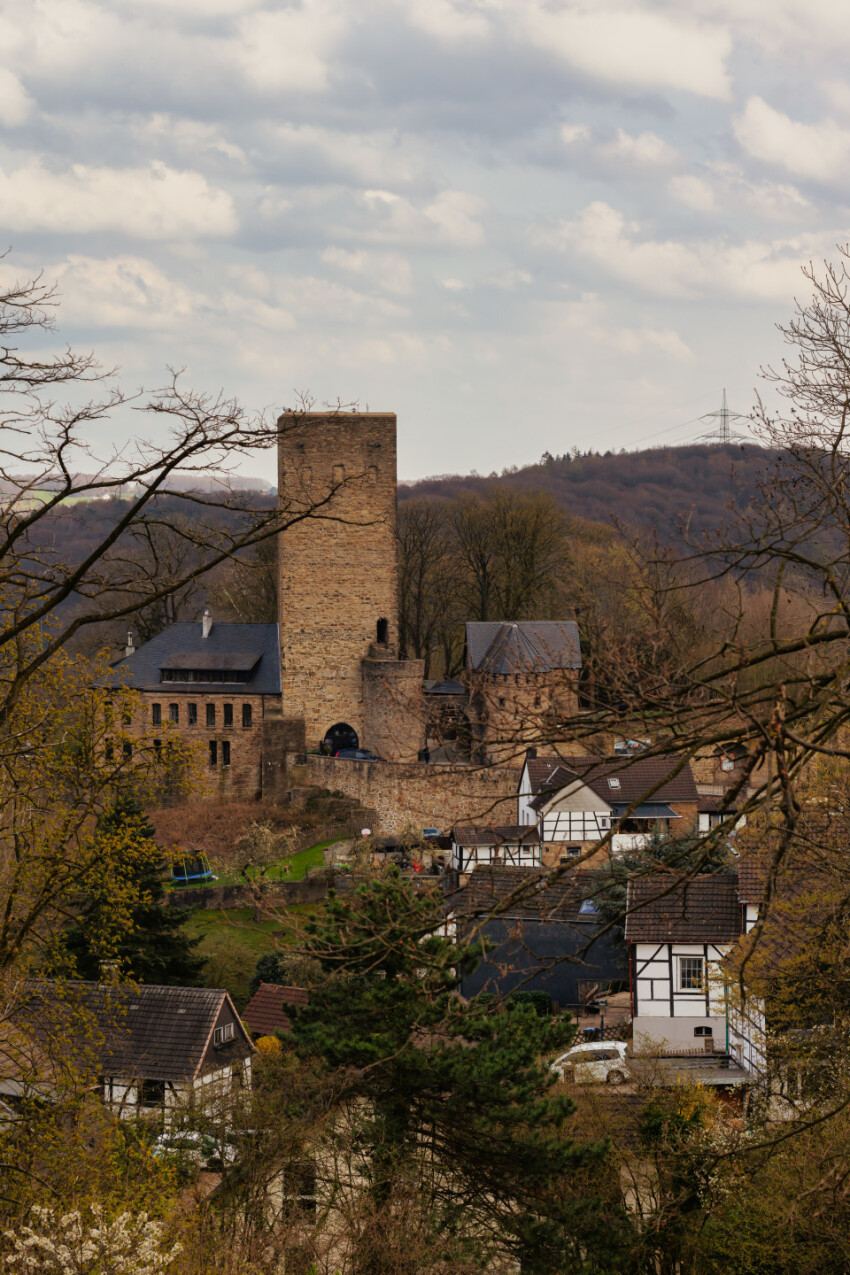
(597, 1062)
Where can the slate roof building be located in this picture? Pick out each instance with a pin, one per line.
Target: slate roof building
(576, 801)
(509, 844)
(548, 935)
(680, 934)
(217, 687)
(150, 1048)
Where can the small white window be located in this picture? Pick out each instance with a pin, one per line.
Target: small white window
(613, 783)
(222, 1035)
(727, 763)
(691, 976)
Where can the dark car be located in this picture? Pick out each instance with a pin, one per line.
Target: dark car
(357, 754)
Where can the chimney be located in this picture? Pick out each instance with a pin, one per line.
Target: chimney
(206, 624)
(129, 649)
(530, 754)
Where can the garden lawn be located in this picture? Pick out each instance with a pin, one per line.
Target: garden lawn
(233, 942)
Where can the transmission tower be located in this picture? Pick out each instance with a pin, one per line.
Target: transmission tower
(723, 433)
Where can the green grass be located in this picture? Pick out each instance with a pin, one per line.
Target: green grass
(297, 864)
(233, 942)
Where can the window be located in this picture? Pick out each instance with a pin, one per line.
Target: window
(691, 974)
(213, 753)
(157, 746)
(109, 754)
(613, 783)
(128, 751)
(727, 763)
(151, 1093)
(156, 715)
(228, 714)
(703, 1031)
(210, 714)
(126, 716)
(192, 710)
(221, 1035)
(588, 908)
(247, 715)
(225, 753)
(383, 631)
(174, 713)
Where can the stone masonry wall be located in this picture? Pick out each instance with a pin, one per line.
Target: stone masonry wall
(428, 796)
(394, 708)
(338, 574)
(242, 779)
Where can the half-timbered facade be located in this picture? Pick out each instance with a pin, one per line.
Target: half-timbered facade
(576, 801)
(483, 844)
(679, 938)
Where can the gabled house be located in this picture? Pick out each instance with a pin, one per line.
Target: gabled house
(680, 933)
(266, 1013)
(575, 801)
(547, 935)
(149, 1049)
(477, 844)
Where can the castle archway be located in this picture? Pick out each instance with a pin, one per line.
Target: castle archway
(340, 735)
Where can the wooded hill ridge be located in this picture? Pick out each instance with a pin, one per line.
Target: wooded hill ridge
(656, 489)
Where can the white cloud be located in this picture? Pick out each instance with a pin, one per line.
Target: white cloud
(148, 203)
(749, 271)
(693, 192)
(287, 51)
(445, 20)
(632, 47)
(571, 133)
(388, 271)
(645, 149)
(454, 213)
(122, 292)
(820, 151)
(15, 101)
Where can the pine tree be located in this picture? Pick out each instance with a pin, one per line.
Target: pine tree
(154, 947)
(457, 1098)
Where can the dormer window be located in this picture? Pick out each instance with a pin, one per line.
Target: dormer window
(613, 783)
(221, 1035)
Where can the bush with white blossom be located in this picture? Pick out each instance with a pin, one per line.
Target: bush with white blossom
(89, 1242)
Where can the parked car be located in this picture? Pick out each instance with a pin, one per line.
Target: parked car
(357, 754)
(602, 1061)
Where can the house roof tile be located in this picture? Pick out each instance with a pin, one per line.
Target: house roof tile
(146, 1032)
(469, 834)
(265, 1010)
(527, 893)
(636, 778)
(702, 909)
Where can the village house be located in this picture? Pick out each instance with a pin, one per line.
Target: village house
(265, 1014)
(477, 844)
(574, 802)
(148, 1050)
(680, 935)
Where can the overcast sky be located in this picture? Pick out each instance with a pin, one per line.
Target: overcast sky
(523, 225)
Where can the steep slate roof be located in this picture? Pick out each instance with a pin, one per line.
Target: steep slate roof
(471, 834)
(143, 1033)
(264, 1011)
(252, 648)
(522, 646)
(539, 899)
(638, 778)
(702, 909)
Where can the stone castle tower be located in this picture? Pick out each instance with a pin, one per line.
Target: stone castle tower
(339, 586)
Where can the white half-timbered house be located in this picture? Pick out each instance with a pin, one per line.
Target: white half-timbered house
(680, 934)
(576, 801)
(512, 846)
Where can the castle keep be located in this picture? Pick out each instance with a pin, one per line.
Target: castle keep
(338, 593)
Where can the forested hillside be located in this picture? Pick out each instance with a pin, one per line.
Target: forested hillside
(651, 489)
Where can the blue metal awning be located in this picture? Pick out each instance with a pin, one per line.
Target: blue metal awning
(648, 810)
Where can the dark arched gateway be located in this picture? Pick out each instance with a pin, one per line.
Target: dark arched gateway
(340, 736)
